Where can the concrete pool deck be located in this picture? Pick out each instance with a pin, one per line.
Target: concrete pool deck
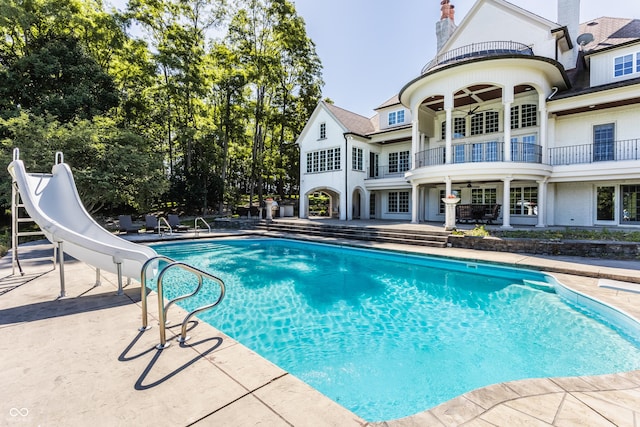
(81, 360)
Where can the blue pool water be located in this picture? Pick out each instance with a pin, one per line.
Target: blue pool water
(389, 335)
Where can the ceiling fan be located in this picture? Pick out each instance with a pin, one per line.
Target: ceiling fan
(471, 112)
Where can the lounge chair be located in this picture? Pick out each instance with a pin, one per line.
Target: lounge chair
(152, 224)
(174, 223)
(126, 225)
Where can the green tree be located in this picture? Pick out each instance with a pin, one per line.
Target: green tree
(56, 77)
(111, 166)
(284, 75)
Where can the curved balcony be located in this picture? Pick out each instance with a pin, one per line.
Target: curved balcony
(492, 151)
(478, 50)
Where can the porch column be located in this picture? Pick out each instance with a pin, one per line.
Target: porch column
(448, 108)
(415, 202)
(415, 141)
(507, 100)
(542, 203)
(544, 126)
(507, 132)
(506, 200)
(447, 185)
(422, 201)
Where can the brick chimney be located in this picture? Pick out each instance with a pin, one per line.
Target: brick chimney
(569, 16)
(446, 25)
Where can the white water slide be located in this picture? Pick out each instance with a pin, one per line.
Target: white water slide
(52, 201)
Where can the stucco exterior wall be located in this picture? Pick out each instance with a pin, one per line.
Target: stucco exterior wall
(574, 204)
(578, 129)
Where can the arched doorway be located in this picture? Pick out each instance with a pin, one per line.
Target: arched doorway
(357, 204)
(322, 203)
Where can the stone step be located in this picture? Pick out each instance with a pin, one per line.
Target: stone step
(362, 233)
(383, 235)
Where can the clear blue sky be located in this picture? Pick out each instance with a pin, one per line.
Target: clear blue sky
(370, 48)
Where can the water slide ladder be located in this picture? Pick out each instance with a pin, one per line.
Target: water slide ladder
(162, 308)
(20, 216)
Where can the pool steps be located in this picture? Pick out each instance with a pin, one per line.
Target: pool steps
(436, 239)
(542, 286)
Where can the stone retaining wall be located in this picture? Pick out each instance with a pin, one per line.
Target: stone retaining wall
(582, 248)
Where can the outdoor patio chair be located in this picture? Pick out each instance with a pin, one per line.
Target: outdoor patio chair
(152, 224)
(126, 225)
(174, 223)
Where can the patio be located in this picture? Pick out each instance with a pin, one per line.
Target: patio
(81, 360)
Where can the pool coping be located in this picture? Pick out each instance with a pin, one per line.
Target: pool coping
(273, 396)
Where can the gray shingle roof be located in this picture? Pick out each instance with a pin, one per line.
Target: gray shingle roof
(353, 122)
(394, 100)
(609, 32)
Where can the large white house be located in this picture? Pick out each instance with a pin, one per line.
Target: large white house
(540, 117)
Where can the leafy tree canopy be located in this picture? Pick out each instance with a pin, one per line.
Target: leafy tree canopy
(57, 78)
(111, 166)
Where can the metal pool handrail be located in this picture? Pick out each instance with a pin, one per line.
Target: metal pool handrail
(162, 309)
(160, 231)
(143, 287)
(195, 225)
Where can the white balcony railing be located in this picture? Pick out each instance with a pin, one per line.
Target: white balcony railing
(382, 172)
(488, 151)
(479, 50)
(628, 149)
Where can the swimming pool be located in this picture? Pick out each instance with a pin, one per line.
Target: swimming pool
(388, 335)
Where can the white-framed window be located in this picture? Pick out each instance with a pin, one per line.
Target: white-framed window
(605, 203)
(492, 121)
(323, 131)
(525, 149)
(398, 202)
(372, 205)
(323, 160)
(399, 161)
(604, 142)
(523, 116)
(623, 65)
(356, 159)
(529, 113)
(487, 122)
(459, 128)
(396, 117)
(483, 196)
(523, 201)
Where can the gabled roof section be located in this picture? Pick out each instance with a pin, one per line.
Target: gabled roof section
(609, 33)
(469, 19)
(394, 100)
(352, 122)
